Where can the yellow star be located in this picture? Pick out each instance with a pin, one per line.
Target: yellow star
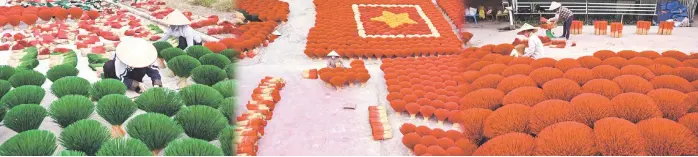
(394, 20)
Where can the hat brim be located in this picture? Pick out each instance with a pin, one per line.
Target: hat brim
(136, 52)
(554, 6)
(535, 30)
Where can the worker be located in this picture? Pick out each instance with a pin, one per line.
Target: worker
(535, 46)
(133, 59)
(178, 26)
(564, 14)
(334, 60)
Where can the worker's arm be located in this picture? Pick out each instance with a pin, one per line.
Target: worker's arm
(554, 19)
(166, 36)
(190, 39)
(154, 75)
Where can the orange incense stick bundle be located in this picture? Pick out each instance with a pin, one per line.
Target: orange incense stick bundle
(577, 27)
(378, 118)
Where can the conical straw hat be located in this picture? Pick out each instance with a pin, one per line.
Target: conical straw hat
(276, 32)
(554, 5)
(526, 27)
(176, 17)
(136, 52)
(333, 54)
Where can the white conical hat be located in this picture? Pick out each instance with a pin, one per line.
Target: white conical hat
(136, 52)
(276, 32)
(333, 54)
(526, 27)
(176, 17)
(554, 5)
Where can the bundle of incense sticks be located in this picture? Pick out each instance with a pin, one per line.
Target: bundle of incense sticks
(666, 28)
(577, 27)
(378, 118)
(310, 74)
(250, 125)
(643, 27)
(616, 30)
(600, 27)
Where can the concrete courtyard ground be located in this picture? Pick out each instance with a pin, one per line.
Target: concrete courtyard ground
(310, 119)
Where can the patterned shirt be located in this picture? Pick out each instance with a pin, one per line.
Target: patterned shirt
(564, 13)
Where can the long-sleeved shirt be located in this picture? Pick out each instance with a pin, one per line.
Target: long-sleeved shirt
(122, 70)
(187, 33)
(535, 47)
(562, 13)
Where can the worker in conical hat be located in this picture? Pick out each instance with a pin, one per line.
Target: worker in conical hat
(562, 13)
(535, 46)
(179, 27)
(334, 61)
(134, 58)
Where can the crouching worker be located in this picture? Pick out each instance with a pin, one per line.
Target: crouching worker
(334, 61)
(535, 46)
(179, 27)
(134, 58)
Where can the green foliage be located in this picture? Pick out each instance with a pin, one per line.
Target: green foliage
(106, 87)
(208, 75)
(25, 117)
(198, 94)
(116, 108)
(248, 16)
(182, 66)
(161, 45)
(155, 28)
(31, 53)
(30, 143)
(215, 59)
(70, 109)
(227, 108)
(60, 71)
(197, 51)
(230, 70)
(160, 100)
(205, 3)
(71, 153)
(201, 122)
(226, 140)
(85, 135)
(172, 52)
(70, 58)
(225, 5)
(23, 95)
(6, 71)
(96, 59)
(154, 129)
(5, 86)
(192, 147)
(3, 111)
(124, 147)
(27, 77)
(28, 64)
(71, 85)
(226, 88)
(231, 54)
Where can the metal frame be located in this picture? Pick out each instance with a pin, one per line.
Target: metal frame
(586, 8)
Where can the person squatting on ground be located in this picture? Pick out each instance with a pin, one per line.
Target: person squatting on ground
(179, 27)
(334, 61)
(564, 14)
(535, 45)
(134, 58)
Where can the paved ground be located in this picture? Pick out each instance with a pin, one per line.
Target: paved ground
(309, 119)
